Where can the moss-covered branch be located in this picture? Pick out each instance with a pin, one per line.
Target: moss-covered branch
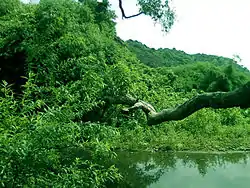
(236, 98)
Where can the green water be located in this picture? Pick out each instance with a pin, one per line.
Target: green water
(184, 170)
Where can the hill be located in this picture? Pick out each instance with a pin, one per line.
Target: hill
(172, 57)
(193, 71)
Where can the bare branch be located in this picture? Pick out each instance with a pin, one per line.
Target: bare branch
(123, 12)
(144, 106)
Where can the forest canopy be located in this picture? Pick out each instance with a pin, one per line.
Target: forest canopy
(70, 90)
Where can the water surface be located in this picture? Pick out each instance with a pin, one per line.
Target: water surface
(184, 170)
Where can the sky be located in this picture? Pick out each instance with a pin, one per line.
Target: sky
(217, 27)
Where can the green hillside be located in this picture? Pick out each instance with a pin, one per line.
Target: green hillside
(196, 71)
(172, 57)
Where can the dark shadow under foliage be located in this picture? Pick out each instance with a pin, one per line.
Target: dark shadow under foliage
(12, 70)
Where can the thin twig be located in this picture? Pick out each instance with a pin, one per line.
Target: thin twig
(123, 13)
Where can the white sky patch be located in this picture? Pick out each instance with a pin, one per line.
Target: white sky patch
(25, 1)
(203, 26)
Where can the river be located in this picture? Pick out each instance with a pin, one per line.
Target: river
(184, 170)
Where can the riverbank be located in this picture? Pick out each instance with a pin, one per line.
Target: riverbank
(203, 132)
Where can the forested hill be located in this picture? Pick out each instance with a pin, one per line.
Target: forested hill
(192, 71)
(172, 57)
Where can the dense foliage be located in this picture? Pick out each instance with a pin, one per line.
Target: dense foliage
(59, 59)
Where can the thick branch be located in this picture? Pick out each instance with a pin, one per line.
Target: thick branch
(123, 12)
(236, 98)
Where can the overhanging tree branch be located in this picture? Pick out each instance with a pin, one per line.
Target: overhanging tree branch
(237, 98)
(123, 12)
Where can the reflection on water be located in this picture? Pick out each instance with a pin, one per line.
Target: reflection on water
(189, 170)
